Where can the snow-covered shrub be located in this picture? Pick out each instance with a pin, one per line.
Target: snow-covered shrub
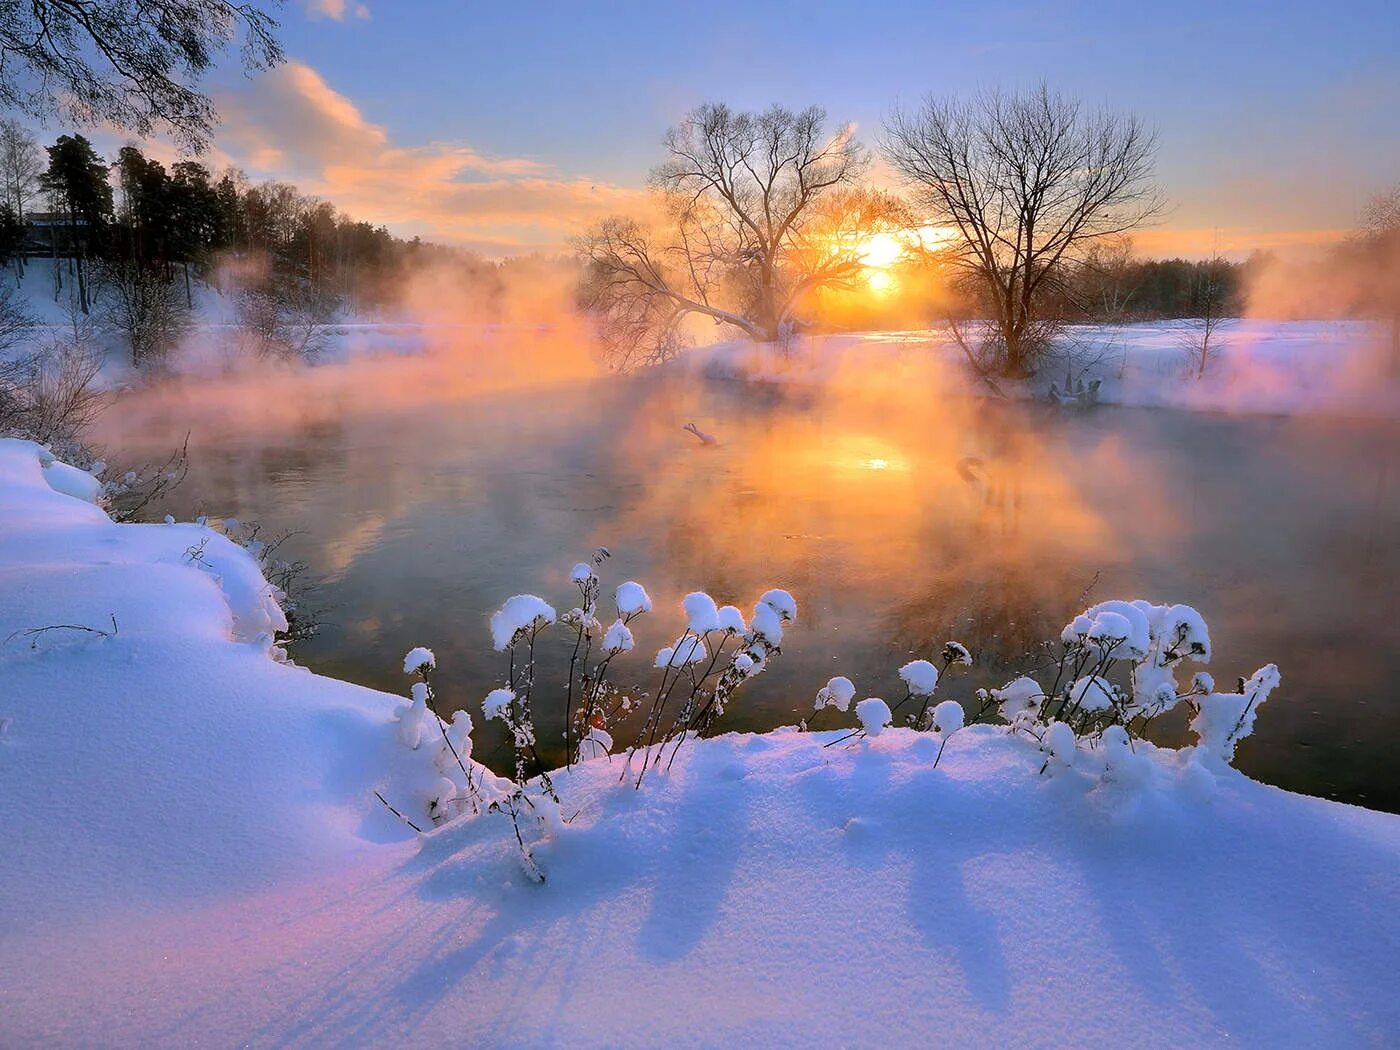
(921, 679)
(456, 785)
(1116, 672)
(700, 672)
(716, 652)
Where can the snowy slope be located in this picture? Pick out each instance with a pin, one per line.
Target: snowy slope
(194, 856)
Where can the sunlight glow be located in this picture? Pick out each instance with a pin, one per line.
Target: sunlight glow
(881, 251)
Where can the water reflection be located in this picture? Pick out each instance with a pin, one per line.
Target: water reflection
(899, 521)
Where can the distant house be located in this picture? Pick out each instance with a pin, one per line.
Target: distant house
(45, 230)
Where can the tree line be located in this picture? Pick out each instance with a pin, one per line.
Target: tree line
(67, 200)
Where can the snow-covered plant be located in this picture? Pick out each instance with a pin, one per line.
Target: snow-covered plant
(921, 679)
(451, 743)
(456, 785)
(1116, 673)
(700, 671)
(514, 628)
(874, 715)
(127, 495)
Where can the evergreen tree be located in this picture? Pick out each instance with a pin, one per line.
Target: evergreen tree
(76, 181)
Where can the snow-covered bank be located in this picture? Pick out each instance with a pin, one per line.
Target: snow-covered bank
(1270, 367)
(194, 856)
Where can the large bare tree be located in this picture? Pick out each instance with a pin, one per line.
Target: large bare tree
(133, 63)
(1027, 181)
(757, 212)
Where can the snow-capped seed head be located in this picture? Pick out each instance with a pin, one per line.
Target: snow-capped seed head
(419, 659)
(874, 715)
(1184, 632)
(1120, 629)
(766, 624)
(948, 717)
(920, 676)
(732, 620)
(581, 573)
(632, 599)
(618, 638)
(782, 603)
(1091, 693)
(838, 693)
(1201, 682)
(519, 614)
(687, 650)
(1018, 696)
(743, 663)
(702, 616)
(956, 653)
(497, 703)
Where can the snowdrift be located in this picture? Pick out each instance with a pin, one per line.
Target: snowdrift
(194, 855)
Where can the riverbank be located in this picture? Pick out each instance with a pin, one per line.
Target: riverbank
(196, 856)
(1257, 367)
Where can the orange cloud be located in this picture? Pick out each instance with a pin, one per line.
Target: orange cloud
(289, 123)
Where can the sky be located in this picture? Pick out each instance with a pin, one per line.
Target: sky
(508, 127)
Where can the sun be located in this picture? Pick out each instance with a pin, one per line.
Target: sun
(880, 251)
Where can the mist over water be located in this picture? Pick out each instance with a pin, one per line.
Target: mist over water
(900, 517)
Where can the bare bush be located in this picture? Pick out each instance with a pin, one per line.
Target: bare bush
(285, 318)
(142, 303)
(50, 394)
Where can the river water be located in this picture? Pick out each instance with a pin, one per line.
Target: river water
(898, 523)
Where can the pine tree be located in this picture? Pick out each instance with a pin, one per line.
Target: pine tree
(76, 180)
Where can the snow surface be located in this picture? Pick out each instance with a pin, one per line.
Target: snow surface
(194, 856)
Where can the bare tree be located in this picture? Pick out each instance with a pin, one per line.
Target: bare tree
(285, 316)
(1209, 312)
(133, 63)
(21, 162)
(1027, 181)
(1378, 240)
(760, 210)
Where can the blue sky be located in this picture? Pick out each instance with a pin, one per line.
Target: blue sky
(508, 125)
